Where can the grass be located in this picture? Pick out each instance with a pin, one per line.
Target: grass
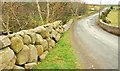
(61, 57)
(113, 17)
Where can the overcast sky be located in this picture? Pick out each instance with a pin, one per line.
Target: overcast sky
(87, 1)
(103, 1)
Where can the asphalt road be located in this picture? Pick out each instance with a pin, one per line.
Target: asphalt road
(95, 48)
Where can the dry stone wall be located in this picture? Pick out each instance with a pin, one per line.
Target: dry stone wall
(109, 28)
(23, 50)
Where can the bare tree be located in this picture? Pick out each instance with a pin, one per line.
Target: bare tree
(48, 12)
(39, 10)
(7, 24)
(13, 12)
(74, 9)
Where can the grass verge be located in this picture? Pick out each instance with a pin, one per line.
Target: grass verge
(61, 57)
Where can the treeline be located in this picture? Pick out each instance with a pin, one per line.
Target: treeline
(17, 16)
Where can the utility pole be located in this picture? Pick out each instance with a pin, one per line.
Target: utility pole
(99, 8)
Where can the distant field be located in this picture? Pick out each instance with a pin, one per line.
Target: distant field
(113, 17)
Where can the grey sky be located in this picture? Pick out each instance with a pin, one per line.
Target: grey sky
(103, 1)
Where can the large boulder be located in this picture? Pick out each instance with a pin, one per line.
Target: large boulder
(23, 55)
(39, 49)
(4, 41)
(45, 34)
(6, 55)
(30, 65)
(15, 68)
(33, 36)
(33, 53)
(26, 39)
(39, 29)
(11, 63)
(53, 34)
(16, 44)
(44, 43)
(39, 39)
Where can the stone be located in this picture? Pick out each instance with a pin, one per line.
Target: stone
(18, 68)
(10, 35)
(33, 37)
(54, 33)
(44, 33)
(17, 35)
(33, 53)
(23, 55)
(42, 57)
(11, 63)
(16, 44)
(4, 41)
(57, 37)
(39, 49)
(26, 39)
(57, 24)
(39, 39)
(31, 30)
(21, 33)
(49, 27)
(39, 29)
(6, 55)
(51, 42)
(44, 43)
(60, 29)
(30, 65)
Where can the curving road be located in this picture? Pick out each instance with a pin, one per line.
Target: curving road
(95, 48)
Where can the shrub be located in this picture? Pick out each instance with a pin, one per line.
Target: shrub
(104, 20)
(111, 7)
(104, 15)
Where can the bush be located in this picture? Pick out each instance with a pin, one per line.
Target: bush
(107, 11)
(106, 21)
(104, 15)
(111, 7)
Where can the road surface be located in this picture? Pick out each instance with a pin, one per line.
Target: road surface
(95, 48)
